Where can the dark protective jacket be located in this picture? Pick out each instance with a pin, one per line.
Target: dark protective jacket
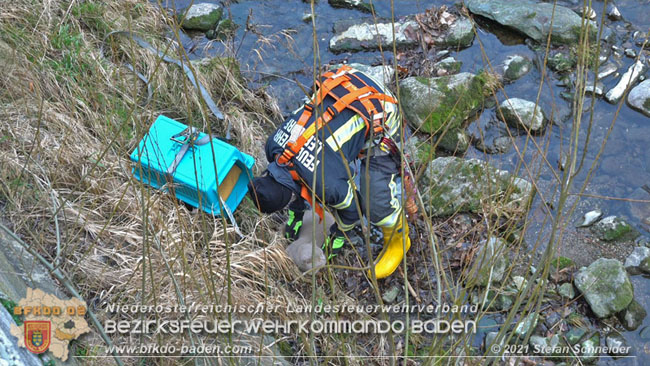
(320, 158)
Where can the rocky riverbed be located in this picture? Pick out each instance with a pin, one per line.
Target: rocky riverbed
(482, 120)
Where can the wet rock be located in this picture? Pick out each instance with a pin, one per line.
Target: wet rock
(369, 35)
(307, 17)
(225, 28)
(588, 12)
(545, 346)
(490, 136)
(553, 320)
(639, 97)
(561, 61)
(613, 13)
(590, 218)
(576, 334)
(448, 66)
(201, 16)
(595, 89)
(420, 151)
(520, 113)
(391, 295)
(428, 103)
(630, 77)
(632, 317)
(516, 66)
(490, 337)
(300, 251)
(605, 286)
(617, 344)
(532, 19)
(526, 324)
(452, 184)
(566, 291)
(638, 261)
(354, 36)
(459, 35)
(352, 4)
(455, 141)
(590, 349)
(490, 262)
(629, 52)
(382, 73)
(606, 70)
(614, 229)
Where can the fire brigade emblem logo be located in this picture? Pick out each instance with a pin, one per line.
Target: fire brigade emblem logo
(37, 335)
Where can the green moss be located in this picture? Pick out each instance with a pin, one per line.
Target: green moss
(10, 305)
(562, 262)
(456, 105)
(617, 232)
(562, 62)
(203, 22)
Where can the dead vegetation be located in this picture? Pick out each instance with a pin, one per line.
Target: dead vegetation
(69, 118)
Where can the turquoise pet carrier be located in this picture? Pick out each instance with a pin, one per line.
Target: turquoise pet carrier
(206, 172)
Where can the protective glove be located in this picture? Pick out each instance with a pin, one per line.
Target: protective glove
(292, 228)
(334, 242)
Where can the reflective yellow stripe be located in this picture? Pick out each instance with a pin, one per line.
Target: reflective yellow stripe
(348, 199)
(344, 133)
(345, 227)
(392, 219)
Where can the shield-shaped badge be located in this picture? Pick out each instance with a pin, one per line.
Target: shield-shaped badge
(38, 335)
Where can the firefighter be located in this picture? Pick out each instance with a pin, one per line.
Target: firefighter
(350, 117)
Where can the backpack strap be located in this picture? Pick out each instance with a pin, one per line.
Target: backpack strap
(367, 110)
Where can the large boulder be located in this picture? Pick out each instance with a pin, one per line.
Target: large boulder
(201, 16)
(639, 97)
(370, 34)
(533, 19)
(431, 104)
(452, 184)
(521, 113)
(605, 286)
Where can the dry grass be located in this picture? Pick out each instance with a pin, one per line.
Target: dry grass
(69, 119)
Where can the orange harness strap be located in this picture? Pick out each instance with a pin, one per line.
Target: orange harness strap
(364, 95)
(305, 193)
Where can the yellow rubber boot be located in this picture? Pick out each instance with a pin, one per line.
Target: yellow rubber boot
(394, 249)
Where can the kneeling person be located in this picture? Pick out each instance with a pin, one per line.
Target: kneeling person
(350, 117)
